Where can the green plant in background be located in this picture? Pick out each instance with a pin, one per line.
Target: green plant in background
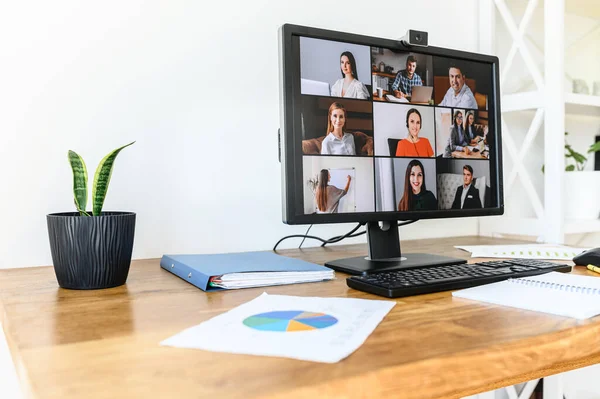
(579, 159)
(101, 180)
(575, 160)
(313, 183)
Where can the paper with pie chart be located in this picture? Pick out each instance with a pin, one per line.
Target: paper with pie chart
(307, 328)
(289, 320)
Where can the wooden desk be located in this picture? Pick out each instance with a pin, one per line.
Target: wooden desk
(472, 155)
(104, 344)
(382, 98)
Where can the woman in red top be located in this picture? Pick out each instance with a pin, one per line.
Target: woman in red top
(413, 145)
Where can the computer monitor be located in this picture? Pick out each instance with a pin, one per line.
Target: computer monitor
(355, 155)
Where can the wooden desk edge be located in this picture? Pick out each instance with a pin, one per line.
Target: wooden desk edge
(25, 383)
(371, 383)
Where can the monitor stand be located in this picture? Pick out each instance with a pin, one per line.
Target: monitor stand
(384, 254)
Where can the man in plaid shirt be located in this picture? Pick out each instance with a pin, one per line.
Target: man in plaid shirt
(406, 79)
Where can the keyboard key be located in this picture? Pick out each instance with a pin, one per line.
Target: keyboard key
(445, 279)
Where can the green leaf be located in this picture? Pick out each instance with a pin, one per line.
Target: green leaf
(79, 182)
(570, 168)
(594, 147)
(570, 150)
(81, 212)
(579, 158)
(102, 179)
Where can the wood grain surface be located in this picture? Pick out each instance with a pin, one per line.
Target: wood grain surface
(105, 343)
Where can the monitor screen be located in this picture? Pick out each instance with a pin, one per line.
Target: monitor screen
(373, 130)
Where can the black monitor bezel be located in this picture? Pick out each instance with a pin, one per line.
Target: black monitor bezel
(291, 157)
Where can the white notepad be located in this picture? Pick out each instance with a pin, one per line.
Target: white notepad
(396, 99)
(556, 293)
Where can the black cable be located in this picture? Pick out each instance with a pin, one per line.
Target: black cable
(340, 238)
(307, 230)
(350, 236)
(337, 238)
(297, 236)
(312, 237)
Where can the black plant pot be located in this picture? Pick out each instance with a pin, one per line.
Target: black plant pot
(91, 252)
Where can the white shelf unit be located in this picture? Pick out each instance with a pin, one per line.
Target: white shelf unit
(550, 102)
(575, 104)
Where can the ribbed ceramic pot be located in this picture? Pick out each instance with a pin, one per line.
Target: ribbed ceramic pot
(91, 252)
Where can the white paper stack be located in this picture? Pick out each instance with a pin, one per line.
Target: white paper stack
(248, 280)
(522, 251)
(394, 99)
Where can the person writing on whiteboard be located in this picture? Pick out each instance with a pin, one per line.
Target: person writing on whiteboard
(406, 79)
(413, 145)
(459, 94)
(349, 86)
(467, 196)
(328, 197)
(416, 197)
(337, 141)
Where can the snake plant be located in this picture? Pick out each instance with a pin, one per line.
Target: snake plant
(101, 180)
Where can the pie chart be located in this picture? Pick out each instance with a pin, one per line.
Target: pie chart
(290, 321)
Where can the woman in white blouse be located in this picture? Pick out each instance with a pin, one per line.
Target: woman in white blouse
(337, 141)
(349, 86)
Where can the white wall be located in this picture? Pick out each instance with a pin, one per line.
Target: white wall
(196, 86)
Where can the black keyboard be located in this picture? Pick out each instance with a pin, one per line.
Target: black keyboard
(425, 280)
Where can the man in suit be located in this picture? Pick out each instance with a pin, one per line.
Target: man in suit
(467, 196)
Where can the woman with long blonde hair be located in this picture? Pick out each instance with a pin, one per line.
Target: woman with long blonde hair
(337, 141)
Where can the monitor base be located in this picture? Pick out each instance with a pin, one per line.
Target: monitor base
(363, 265)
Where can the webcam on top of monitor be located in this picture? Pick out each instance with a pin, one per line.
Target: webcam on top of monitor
(415, 38)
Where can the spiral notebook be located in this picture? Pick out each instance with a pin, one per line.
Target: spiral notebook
(556, 293)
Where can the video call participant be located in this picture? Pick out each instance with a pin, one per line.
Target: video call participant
(406, 79)
(416, 197)
(337, 141)
(458, 140)
(328, 197)
(349, 86)
(467, 196)
(459, 94)
(474, 134)
(413, 145)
